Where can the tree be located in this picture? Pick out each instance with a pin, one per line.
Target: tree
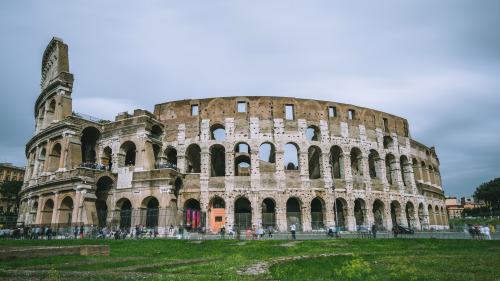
(11, 189)
(490, 193)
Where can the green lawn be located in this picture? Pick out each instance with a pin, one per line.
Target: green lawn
(357, 259)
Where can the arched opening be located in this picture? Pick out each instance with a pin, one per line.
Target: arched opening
(336, 161)
(193, 157)
(396, 213)
(217, 132)
(313, 133)
(425, 174)
(90, 136)
(48, 209)
(373, 159)
(356, 162)
(171, 158)
(152, 207)
(314, 157)
(410, 214)
(156, 155)
(405, 170)
(128, 153)
(55, 158)
(388, 142)
(242, 162)
(431, 174)
(217, 214)
(317, 216)
(360, 212)
(340, 213)
(156, 132)
(217, 161)
(438, 216)
(432, 218)
(66, 211)
(242, 214)
(192, 215)
(125, 207)
(268, 213)
(421, 215)
(267, 158)
(416, 170)
(107, 158)
(291, 157)
(33, 211)
(379, 214)
(50, 112)
(390, 168)
(294, 213)
(103, 186)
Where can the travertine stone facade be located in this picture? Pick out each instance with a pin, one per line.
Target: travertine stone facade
(9, 172)
(238, 161)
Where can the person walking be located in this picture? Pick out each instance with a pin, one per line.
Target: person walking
(374, 230)
(293, 228)
(486, 231)
(222, 232)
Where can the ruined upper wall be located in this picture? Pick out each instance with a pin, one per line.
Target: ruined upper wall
(270, 108)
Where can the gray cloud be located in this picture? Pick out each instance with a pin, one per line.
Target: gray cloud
(435, 63)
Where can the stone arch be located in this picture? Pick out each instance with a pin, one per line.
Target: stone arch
(55, 157)
(89, 139)
(156, 132)
(242, 213)
(395, 212)
(431, 174)
(150, 209)
(170, 155)
(432, 218)
(390, 168)
(268, 213)
(356, 162)
(124, 207)
(340, 212)
(410, 214)
(337, 162)
(291, 156)
(405, 170)
(193, 159)
(47, 211)
(314, 161)
(103, 187)
(217, 213)
(313, 133)
(294, 212)
(192, 214)
(360, 212)
(267, 157)
(437, 214)
(107, 158)
(379, 213)
(373, 161)
(425, 173)
(416, 169)
(66, 211)
(128, 152)
(242, 159)
(317, 213)
(217, 160)
(388, 142)
(218, 132)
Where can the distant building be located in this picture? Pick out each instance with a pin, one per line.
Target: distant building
(9, 172)
(471, 203)
(453, 207)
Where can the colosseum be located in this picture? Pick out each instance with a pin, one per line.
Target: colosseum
(241, 162)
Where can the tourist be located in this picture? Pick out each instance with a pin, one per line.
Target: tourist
(222, 232)
(75, 232)
(486, 232)
(395, 231)
(270, 231)
(248, 234)
(374, 230)
(293, 229)
(330, 231)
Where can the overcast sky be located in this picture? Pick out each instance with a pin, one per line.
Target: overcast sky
(436, 63)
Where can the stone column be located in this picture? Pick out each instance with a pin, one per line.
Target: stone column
(306, 217)
(346, 161)
(55, 213)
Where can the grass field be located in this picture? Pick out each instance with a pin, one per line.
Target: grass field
(388, 259)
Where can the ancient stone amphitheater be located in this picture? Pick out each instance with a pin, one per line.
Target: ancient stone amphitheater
(241, 162)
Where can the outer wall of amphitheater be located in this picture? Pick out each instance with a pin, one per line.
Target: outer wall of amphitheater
(241, 162)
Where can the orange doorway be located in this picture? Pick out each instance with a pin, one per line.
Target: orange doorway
(217, 219)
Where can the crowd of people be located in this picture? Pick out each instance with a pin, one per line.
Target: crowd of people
(94, 166)
(480, 232)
